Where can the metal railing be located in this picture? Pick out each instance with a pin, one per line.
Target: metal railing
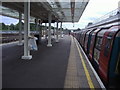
(15, 32)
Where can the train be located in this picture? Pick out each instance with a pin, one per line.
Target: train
(102, 47)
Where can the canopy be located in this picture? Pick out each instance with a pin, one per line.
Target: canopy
(64, 11)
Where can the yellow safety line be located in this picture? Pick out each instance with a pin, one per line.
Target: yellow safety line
(71, 78)
(85, 69)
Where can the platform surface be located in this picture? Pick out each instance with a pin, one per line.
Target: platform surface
(59, 66)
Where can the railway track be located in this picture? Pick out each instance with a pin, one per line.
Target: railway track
(6, 38)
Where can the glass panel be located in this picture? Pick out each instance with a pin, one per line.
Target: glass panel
(98, 43)
(108, 43)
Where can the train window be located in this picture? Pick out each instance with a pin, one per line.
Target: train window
(98, 43)
(107, 46)
(92, 41)
(111, 34)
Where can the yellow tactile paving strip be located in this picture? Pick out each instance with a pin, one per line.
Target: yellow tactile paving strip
(71, 80)
(78, 75)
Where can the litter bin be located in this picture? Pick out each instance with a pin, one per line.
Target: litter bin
(37, 41)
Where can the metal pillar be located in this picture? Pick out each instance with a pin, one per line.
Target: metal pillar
(54, 30)
(49, 31)
(40, 32)
(1, 54)
(57, 39)
(61, 35)
(46, 30)
(20, 29)
(36, 24)
(26, 30)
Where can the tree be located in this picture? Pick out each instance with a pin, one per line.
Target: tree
(4, 27)
(12, 27)
(16, 27)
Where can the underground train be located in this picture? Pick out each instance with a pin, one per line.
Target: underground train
(102, 47)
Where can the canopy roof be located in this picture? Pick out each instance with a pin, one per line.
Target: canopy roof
(65, 11)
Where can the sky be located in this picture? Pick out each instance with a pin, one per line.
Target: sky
(94, 10)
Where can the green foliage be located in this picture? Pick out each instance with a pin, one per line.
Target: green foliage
(3, 26)
(16, 27)
(12, 27)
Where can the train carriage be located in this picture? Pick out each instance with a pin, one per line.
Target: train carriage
(109, 55)
(92, 43)
(87, 40)
(97, 48)
(102, 46)
(81, 38)
(84, 41)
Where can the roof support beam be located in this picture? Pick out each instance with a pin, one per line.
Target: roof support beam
(72, 9)
(60, 9)
(49, 8)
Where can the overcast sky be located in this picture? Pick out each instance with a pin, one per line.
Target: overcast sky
(94, 10)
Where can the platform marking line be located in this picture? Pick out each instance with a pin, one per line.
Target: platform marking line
(95, 73)
(85, 69)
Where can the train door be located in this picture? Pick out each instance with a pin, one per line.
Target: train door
(118, 66)
(114, 63)
(105, 64)
(92, 43)
(89, 41)
(97, 48)
(79, 37)
(84, 39)
(83, 36)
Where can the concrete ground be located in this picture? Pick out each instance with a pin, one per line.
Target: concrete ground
(47, 69)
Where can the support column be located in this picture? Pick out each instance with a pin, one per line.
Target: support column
(49, 31)
(45, 30)
(40, 32)
(26, 30)
(61, 35)
(54, 31)
(36, 23)
(57, 40)
(37, 30)
(20, 29)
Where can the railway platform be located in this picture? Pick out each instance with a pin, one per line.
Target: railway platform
(64, 65)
